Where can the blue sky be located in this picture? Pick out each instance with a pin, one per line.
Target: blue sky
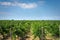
(30, 9)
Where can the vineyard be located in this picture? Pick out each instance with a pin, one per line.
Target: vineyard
(29, 29)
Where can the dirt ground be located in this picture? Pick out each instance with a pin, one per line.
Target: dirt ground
(31, 37)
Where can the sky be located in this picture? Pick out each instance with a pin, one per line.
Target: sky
(30, 9)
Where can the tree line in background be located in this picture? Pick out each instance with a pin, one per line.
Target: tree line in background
(24, 28)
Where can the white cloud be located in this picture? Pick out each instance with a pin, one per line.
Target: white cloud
(22, 5)
(25, 5)
(5, 3)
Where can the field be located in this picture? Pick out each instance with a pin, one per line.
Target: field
(29, 29)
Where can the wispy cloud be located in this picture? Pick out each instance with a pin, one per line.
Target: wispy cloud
(22, 5)
(27, 5)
